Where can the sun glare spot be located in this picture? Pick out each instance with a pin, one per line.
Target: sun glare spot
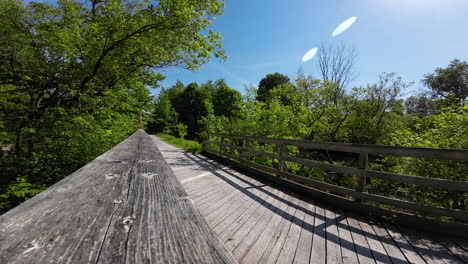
(310, 54)
(344, 26)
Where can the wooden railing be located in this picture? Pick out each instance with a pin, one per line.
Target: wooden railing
(126, 206)
(358, 195)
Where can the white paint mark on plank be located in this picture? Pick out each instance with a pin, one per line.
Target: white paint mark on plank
(32, 246)
(148, 175)
(110, 176)
(197, 177)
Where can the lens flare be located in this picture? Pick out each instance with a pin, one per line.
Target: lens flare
(310, 54)
(344, 26)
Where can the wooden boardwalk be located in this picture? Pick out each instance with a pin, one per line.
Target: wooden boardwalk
(126, 206)
(262, 224)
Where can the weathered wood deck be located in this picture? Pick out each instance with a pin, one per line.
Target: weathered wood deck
(259, 223)
(126, 206)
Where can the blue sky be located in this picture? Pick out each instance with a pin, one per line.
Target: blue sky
(410, 37)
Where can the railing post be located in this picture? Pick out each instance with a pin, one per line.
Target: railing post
(222, 149)
(205, 144)
(244, 153)
(140, 120)
(281, 162)
(363, 161)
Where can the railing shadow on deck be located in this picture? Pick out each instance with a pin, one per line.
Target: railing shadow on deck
(208, 165)
(233, 149)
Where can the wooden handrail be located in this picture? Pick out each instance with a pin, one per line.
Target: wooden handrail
(426, 153)
(359, 194)
(126, 206)
(450, 185)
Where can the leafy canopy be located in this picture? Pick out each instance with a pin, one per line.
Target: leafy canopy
(75, 75)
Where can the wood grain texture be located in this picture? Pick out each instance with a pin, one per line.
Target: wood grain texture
(126, 206)
(262, 222)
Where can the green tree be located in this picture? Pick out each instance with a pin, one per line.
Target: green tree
(421, 105)
(75, 75)
(191, 108)
(451, 82)
(225, 100)
(376, 109)
(164, 117)
(269, 82)
(67, 55)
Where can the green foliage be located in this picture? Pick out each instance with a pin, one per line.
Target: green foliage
(164, 116)
(373, 114)
(310, 109)
(196, 107)
(181, 130)
(19, 191)
(421, 105)
(74, 76)
(225, 100)
(451, 83)
(448, 129)
(189, 145)
(269, 82)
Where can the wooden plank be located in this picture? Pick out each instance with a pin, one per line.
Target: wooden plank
(231, 222)
(362, 246)
(256, 251)
(226, 209)
(152, 184)
(254, 233)
(304, 247)
(246, 162)
(388, 247)
(462, 243)
(348, 250)
(319, 251)
(221, 191)
(241, 186)
(216, 204)
(438, 249)
(229, 214)
(192, 185)
(229, 186)
(393, 251)
(205, 189)
(208, 205)
(189, 176)
(200, 184)
(333, 240)
(288, 251)
(376, 247)
(408, 250)
(249, 232)
(125, 206)
(228, 234)
(270, 255)
(432, 225)
(455, 249)
(424, 251)
(428, 153)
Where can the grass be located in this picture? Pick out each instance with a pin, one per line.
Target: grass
(189, 145)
